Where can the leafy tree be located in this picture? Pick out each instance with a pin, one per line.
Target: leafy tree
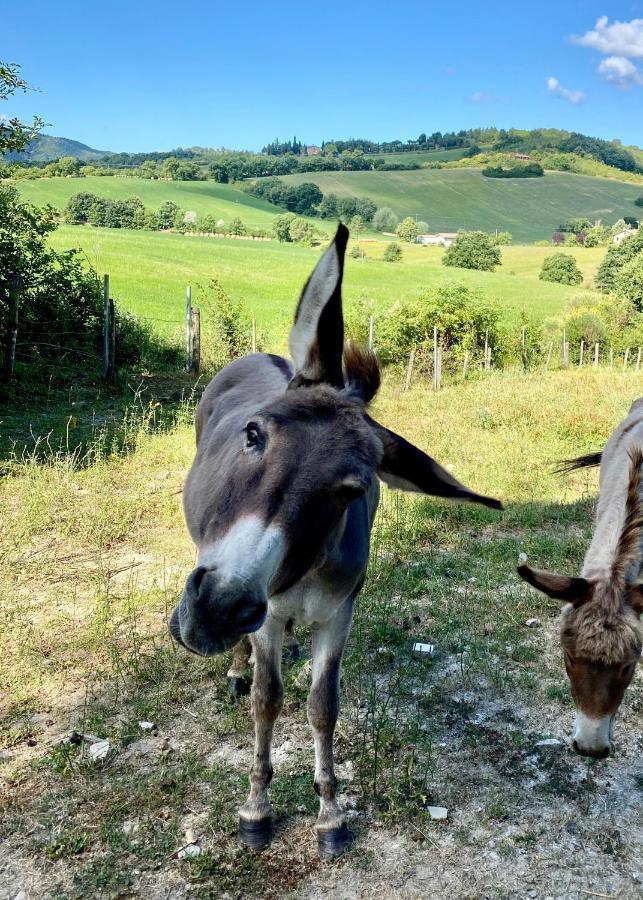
(149, 169)
(393, 252)
(167, 214)
(226, 326)
(423, 227)
(384, 219)
(170, 168)
(503, 238)
(473, 250)
(631, 222)
(577, 226)
(617, 256)
(301, 231)
(76, 211)
(407, 230)
(68, 166)
(560, 268)
(639, 201)
(237, 227)
(356, 225)
(629, 281)
(596, 236)
(327, 209)
(281, 226)
(14, 134)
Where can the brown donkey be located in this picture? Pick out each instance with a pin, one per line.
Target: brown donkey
(601, 631)
(280, 501)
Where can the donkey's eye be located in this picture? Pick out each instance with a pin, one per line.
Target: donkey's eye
(253, 435)
(628, 670)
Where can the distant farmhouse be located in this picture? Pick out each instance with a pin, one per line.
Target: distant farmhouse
(313, 150)
(440, 239)
(621, 236)
(522, 156)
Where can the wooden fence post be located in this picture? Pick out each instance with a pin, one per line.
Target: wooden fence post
(111, 369)
(611, 357)
(582, 351)
(436, 362)
(409, 370)
(370, 332)
(638, 360)
(188, 328)
(549, 352)
(254, 335)
(523, 347)
(106, 337)
(465, 365)
(565, 349)
(12, 330)
(596, 355)
(626, 358)
(196, 338)
(486, 349)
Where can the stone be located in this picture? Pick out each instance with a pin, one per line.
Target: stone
(533, 623)
(146, 726)
(6, 756)
(522, 558)
(191, 850)
(438, 813)
(550, 744)
(100, 750)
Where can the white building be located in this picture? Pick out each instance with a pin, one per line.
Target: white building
(623, 235)
(441, 239)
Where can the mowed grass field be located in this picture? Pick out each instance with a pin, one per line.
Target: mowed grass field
(93, 556)
(149, 272)
(450, 199)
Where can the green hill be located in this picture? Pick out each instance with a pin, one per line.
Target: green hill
(45, 147)
(449, 199)
(224, 201)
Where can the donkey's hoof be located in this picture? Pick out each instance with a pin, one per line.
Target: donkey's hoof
(291, 653)
(255, 835)
(239, 687)
(333, 842)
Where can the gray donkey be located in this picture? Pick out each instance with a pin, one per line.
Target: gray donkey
(280, 502)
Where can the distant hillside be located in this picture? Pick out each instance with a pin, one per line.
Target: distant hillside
(46, 147)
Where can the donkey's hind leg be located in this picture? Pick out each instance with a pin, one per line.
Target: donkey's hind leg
(238, 682)
(323, 709)
(266, 700)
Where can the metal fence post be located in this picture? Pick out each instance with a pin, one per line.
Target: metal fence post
(436, 362)
(370, 332)
(196, 338)
(12, 330)
(409, 370)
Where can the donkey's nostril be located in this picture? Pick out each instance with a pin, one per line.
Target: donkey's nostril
(193, 583)
(251, 618)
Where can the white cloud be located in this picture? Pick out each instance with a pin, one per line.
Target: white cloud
(554, 85)
(623, 39)
(620, 71)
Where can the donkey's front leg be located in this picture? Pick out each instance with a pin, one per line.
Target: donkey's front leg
(323, 709)
(266, 700)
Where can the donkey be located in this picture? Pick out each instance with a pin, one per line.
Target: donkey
(601, 630)
(280, 502)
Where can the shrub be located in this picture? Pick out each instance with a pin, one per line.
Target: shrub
(302, 232)
(502, 238)
(226, 327)
(408, 230)
(393, 252)
(237, 227)
(462, 315)
(384, 219)
(530, 170)
(560, 268)
(473, 250)
(639, 201)
(281, 226)
(357, 252)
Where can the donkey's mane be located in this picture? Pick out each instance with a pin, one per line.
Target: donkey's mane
(361, 371)
(603, 629)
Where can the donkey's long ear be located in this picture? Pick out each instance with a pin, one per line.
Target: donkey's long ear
(317, 337)
(407, 468)
(560, 587)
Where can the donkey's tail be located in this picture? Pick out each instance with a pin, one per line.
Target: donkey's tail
(587, 461)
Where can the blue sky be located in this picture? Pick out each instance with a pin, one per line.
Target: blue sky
(145, 76)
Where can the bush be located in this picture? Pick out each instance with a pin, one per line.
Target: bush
(281, 226)
(384, 219)
(302, 232)
(472, 250)
(639, 201)
(560, 268)
(357, 252)
(462, 315)
(629, 281)
(502, 238)
(529, 170)
(393, 252)
(226, 327)
(408, 230)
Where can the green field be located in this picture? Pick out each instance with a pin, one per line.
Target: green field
(149, 272)
(450, 199)
(202, 197)
(421, 156)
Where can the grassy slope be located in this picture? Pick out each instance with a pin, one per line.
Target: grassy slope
(203, 197)
(449, 199)
(149, 272)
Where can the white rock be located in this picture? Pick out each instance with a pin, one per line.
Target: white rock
(438, 813)
(550, 744)
(100, 750)
(130, 826)
(190, 837)
(422, 651)
(522, 558)
(189, 851)
(533, 623)
(146, 726)
(6, 756)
